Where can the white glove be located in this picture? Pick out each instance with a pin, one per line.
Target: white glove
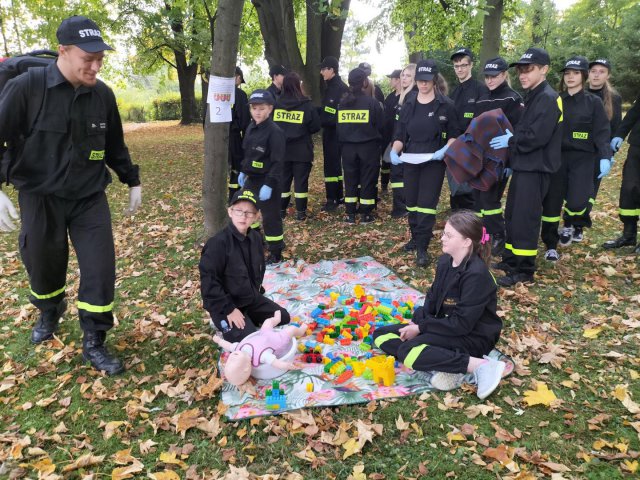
(7, 212)
(135, 199)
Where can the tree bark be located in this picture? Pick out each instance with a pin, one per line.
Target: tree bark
(186, 83)
(332, 30)
(216, 135)
(491, 31)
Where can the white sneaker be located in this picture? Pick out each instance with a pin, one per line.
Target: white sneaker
(566, 235)
(578, 235)
(446, 381)
(552, 255)
(488, 376)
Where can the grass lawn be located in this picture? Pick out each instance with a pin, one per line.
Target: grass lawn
(576, 330)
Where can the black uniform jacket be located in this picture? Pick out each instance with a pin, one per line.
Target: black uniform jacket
(77, 134)
(631, 123)
(438, 128)
(586, 126)
(464, 97)
(264, 147)
(503, 97)
(297, 117)
(240, 116)
(461, 302)
(275, 91)
(334, 90)
(231, 271)
(535, 146)
(616, 104)
(391, 110)
(361, 121)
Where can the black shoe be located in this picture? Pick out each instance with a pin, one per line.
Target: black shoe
(95, 351)
(628, 237)
(367, 218)
(410, 246)
(283, 214)
(422, 258)
(512, 279)
(301, 216)
(47, 323)
(350, 218)
(273, 258)
(399, 213)
(497, 245)
(504, 266)
(330, 206)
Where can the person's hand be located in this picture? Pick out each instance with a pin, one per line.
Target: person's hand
(265, 193)
(236, 319)
(616, 143)
(605, 167)
(439, 154)
(7, 213)
(501, 141)
(508, 172)
(613, 160)
(395, 158)
(135, 200)
(242, 177)
(410, 331)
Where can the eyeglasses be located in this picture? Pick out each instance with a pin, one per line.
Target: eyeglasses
(448, 235)
(461, 66)
(241, 213)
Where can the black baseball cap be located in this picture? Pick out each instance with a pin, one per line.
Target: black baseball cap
(365, 67)
(357, 76)
(494, 66)
(262, 96)
(329, 62)
(83, 33)
(277, 70)
(601, 61)
(533, 55)
(239, 72)
(460, 52)
(426, 70)
(577, 62)
(241, 195)
(395, 74)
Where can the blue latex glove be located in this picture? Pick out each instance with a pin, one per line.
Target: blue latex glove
(616, 142)
(439, 154)
(395, 158)
(605, 167)
(501, 141)
(265, 193)
(242, 177)
(613, 160)
(508, 172)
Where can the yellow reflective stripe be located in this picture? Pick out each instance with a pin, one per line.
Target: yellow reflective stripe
(330, 110)
(48, 295)
(301, 195)
(572, 213)
(428, 211)
(592, 201)
(494, 278)
(340, 178)
(285, 194)
(497, 211)
(234, 185)
(478, 214)
(559, 102)
(350, 199)
(397, 184)
(413, 355)
(625, 212)
(274, 239)
(385, 170)
(468, 114)
(385, 338)
(353, 116)
(520, 251)
(255, 225)
(550, 219)
(366, 201)
(294, 116)
(95, 308)
(580, 135)
(331, 179)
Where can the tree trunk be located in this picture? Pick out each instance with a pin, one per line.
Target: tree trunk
(415, 57)
(186, 82)
(491, 26)
(311, 72)
(332, 30)
(216, 135)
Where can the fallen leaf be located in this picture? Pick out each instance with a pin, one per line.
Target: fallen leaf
(540, 396)
(83, 462)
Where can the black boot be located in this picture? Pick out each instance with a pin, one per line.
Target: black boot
(497, 244)
(275, 256)
(410, 246)
(422, 257)
(47, 323)
(95, 351)
(301, 215)
(628, 237)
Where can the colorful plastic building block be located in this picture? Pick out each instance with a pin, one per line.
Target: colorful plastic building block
(383, 369)
(274, 398)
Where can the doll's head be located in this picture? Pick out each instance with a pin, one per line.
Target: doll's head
(237, 370)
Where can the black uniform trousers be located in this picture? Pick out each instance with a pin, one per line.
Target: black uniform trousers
(523, 215)
(428, 351)
(296, 169)
(332, 164)
(44, 247)
(254, 316)
(422, 187)
(488, 206)
(397, 188)
(270, 210)
(385, 173)
(572, 182)
(630, 187)
(594, 193)
(236, 154)
(361, 163)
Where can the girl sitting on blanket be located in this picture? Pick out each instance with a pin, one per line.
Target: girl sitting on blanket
(458, 325)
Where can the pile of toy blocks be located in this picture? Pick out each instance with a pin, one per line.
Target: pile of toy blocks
(274, 397)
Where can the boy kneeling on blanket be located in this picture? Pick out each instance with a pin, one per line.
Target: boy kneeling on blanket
(232, 268)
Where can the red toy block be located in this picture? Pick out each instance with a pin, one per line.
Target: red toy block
(346, 375)
(345, 341)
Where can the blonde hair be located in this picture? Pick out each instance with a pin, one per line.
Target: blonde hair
(410, 68)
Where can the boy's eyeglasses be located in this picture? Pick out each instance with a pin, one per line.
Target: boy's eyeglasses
(241, 213)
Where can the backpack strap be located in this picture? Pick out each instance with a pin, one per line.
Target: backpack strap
(37, 90)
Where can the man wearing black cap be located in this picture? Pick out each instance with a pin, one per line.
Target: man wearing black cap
(534, 151)
(240, 119)
(63, 127)
(277, 73)
(464, 97)
(391, 111)
(335, 88)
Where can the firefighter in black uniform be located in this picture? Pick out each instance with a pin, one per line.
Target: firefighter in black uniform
(464, 97)
(391, 111)
(277, 73)
(500, 95)
(360, 128)
(231, 273)
(630, 187)
(264, 147)
(585, 141)
(60, 171)
(299, 119)
(334, 89)
(534, 155)
(428, 124)
(240, 119)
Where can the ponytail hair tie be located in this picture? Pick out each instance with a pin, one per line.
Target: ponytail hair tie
(485, 236)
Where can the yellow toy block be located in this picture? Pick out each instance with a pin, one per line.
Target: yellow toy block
(328, 340)
(326, 360)
(309, 387)
(383, 369)
(358, 291)
(358, 368)
(334, 296)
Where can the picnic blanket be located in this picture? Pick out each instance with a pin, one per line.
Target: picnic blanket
(300, 287)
